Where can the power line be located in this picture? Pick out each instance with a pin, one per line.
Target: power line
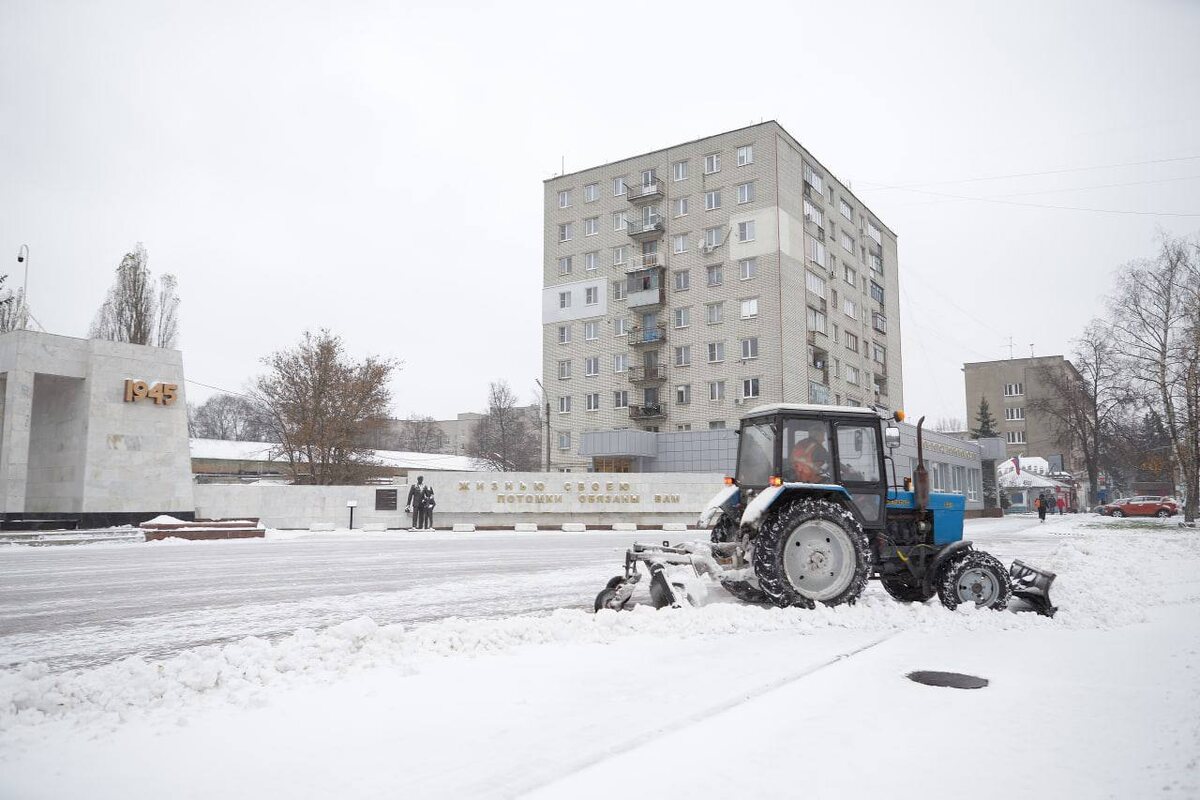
(217, 388)
(1071, 189)
(1043, 205)
(1060, 171)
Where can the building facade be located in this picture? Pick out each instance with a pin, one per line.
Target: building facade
(685, 285)
(390, 434)
(1012, 388)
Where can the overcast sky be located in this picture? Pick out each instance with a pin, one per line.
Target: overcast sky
(377, 168)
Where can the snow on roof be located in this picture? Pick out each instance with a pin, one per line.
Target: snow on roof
(225, 450)
(772, 408)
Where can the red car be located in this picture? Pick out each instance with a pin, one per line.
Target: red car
(1144, 506)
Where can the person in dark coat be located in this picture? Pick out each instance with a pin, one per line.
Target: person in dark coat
(1040, 503)
(427, 504)
(416, 493)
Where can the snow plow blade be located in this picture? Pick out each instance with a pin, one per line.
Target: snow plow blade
(1032, 585)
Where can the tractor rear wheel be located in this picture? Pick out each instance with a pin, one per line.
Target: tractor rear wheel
(812, 551)
(974, 577)
(906, 592)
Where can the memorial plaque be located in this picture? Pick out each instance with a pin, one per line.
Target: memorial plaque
(385, 499)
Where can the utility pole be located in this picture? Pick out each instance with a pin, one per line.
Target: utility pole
(1010, 348)
(23, 257)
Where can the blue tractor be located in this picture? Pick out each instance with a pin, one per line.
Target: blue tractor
(810, 516)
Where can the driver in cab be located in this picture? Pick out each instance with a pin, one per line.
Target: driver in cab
(809, 461)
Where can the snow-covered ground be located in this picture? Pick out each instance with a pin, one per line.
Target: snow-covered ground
(469, 665)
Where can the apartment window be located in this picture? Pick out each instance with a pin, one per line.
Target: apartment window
(591, 295)
(679, 206)
(850, 308)
(683, 355)
(683, 394)
(1014, 413)
(750, 348)
(687, 426)
(564, 198)
(852, 375)
(716, 352)
(746, 231)
(878, 353)
(879, 322)
(750, 308)
(564, 370)
(813, 214)
(591, 226)
(748, 268)
(1014, 437)
(592, 401)
(621, 398)
(591, 330)
(876, 292)
(619, 290)
(716, 425)
(679, 170)
(716, 275)
(564, 438)
(815, 283)
(648, 178)
(874, 233)
(849, 276)
(712, 237)
(846, 210)
(620, 255)
(851, 341)
(847, 243)
(683, 280)
(564, 334)
(746, 192)
(814, 179)
(1014, 389)
(621, 326)
(591, 366)
(712, 199)
(816, 320)
(565, 232)
(714, 313)
(679, 243)
(816, 251)
(564, 265)
(750, 387)
(564, 299)
(619, 187)
(716, 390)
(621, 362)
(682, 317)
(619, 221)
(745, 155)
(591, 260)
(712, 163)
(591, 193)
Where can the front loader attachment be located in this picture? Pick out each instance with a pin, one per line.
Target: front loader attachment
(1032, 585)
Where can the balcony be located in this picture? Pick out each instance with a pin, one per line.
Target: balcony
(652, 374)
(656, 411)
(647, 228)
(640, 337)
(645, 261)
(645, 193)
(644, 298)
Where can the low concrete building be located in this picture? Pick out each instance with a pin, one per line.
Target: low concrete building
(92, 432)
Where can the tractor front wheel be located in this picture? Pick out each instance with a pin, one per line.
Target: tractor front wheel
(906, 592)
(974, 577)
(812, 551)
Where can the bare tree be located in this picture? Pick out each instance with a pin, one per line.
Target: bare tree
(14, 315)
(950, 425)
(422, 434)
(1086, 403)
(320, 403)
(133, 311)
(227, 416)
(504, 437)
(1156, 321)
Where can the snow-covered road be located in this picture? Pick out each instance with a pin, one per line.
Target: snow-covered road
(1102, 701)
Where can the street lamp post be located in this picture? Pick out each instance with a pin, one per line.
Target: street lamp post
(23, 258)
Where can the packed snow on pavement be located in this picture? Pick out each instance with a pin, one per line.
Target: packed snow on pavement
(470, 665)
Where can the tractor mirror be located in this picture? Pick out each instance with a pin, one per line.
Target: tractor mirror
(891, 437)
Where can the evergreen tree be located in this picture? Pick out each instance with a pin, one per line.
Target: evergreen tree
(985, 421)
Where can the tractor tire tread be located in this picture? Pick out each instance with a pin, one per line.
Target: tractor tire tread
(768, 556)
(971, 559)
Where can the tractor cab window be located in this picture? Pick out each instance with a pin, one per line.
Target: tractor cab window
(858, 456)
(756, 454)
(806, 451)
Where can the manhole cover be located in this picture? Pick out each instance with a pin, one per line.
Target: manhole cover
(954, 680)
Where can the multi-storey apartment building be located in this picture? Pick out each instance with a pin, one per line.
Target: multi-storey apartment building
(688, 284)
(1012, 388)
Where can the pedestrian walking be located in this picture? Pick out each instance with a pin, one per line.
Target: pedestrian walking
(416, 493)
(427, 504)
(1040, 505)
(1062, 505)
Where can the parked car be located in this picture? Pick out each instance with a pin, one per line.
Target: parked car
(1142, 506)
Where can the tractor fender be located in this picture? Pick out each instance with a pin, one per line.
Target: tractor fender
(758, 507)
(943, 555)
(722, 503)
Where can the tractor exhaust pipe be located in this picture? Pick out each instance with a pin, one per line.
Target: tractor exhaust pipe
(921, 478)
